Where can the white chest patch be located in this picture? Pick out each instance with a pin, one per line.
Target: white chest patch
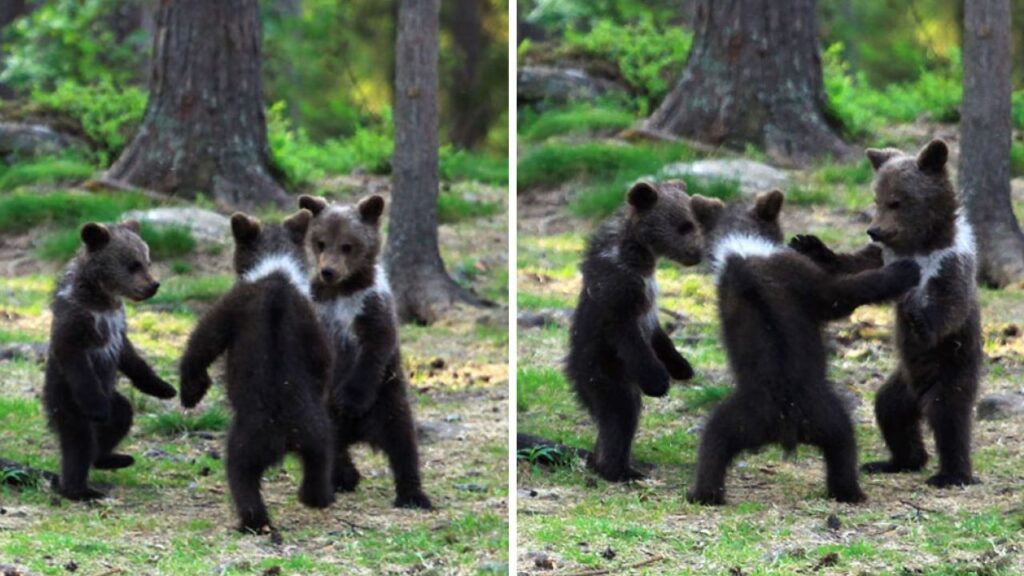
(339, 314)
(649, 322)
(963, 249)
(284, 264)
(742, 245)
(111, 326)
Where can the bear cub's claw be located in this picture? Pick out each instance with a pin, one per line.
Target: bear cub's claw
(951, 480)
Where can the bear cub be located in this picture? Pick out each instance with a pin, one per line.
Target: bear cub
(368, 398)
(617, 349)
(277, 363)
(88, 345)
(773, 303)
(938, 323)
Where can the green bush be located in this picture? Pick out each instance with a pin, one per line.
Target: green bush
(578, 119)
(106, 114)
(864, 109)
(20, 211)
(649, 58)
(45, 170)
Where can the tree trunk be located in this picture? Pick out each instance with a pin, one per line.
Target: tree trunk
(754, 77)
(469, 112)
(10, 10)
(985, 134)
(422, 287)
(204, 130)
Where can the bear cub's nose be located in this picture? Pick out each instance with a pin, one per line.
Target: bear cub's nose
(327, 274)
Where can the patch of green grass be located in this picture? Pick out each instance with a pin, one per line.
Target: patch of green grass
(466, 165)
(168, 241)
(178, 289)
(1017, 159)
(698, 397)
(855, 174)
(553, 163)
(21, 210)
(722, 188)
(530, 301)
(805, 196)
(47, 170)
(602, 199)
(453, 206)
(169, 424)
(578, 119)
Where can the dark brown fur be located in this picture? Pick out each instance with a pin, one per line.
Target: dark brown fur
(617, 349)
(773, 303)
(938, 325)
(277, 363)
(89, 345)
(368, 393)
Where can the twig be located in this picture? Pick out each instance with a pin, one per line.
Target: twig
(918, 508)
(647, 562)
(111, 572)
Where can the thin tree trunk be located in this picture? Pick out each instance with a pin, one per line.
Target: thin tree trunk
(754, 77)
(469, 113)
(204, 130)
(985, 135)
(422, 287)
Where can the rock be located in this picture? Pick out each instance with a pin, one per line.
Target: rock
(471, 487)
(205, 225)
(546, 84)
(543, 560)
(833, 522)
(1000, 406)
(19, 141)
(753, 177)
(429, 431)
(34, 351)
(545, 317)
(492, 567)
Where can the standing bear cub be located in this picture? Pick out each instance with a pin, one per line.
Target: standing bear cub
(277, 363)
(88, 346)
(368, 396)
(938, 323)
(617, 350)
(773, 304)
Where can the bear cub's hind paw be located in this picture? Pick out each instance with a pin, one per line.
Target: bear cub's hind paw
(113, 462)
(416, 500)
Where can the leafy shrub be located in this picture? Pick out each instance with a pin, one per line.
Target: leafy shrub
(20, 211)
(864, 109)
(45, 170)
(71, 40)
(105, 114)
(578, 119)
(648, 58)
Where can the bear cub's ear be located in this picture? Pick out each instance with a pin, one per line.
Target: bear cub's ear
(706, 210)
(314, 204)
(768, 205)
(879, 156)
(932, 158)
(132, 226)
(244, 228)
(95, 236)
(642, 196)
(297, 224)
(370, 209)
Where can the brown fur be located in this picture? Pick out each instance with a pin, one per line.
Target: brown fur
(89, 345)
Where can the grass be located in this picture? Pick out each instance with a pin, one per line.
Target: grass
(164, 242)
(47, 170)
(454, 206)
(581, 119)
(170, 424)
(552, 164)
(21, 211)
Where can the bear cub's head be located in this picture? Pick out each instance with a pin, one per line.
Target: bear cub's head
(664, 218)
(345, 238)
(759, 221)
(255, 241)
(915, 203)
(118, 258)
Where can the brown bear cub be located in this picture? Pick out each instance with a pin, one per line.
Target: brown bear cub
(277, 363)
(938, 323)
(368, 399)
(617, 349)
(88, 345)
(773, 303)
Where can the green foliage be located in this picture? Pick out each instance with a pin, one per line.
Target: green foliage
(552, 164)
(855, 174)
(544, 455)
(45, 170)
(807, 195)
(71, 40)
(20, 211)
(164, 242)
(465, 165)
(1017, 159)
(106, 114)
(722, 188)
(453, 206)
(648, 57)
(179, 289)
(864, 109)
(577, 119)
(171, 424)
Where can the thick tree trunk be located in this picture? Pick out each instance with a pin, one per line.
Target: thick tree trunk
(469, 112)
(204, 130)
(422, 287)
(754, 77)
(985, 135)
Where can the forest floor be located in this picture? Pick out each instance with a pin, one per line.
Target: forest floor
(171, 513)
(777, 520)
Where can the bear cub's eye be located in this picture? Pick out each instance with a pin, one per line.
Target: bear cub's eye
(346, 248)
(320, 246)
(893, 205)
(135, 266)
(685, 228)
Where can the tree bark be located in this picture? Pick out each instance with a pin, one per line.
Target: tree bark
(754, 77)
(471, 111)
(10, 10)
(985, 136)
(204, 130)
(422, 287)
